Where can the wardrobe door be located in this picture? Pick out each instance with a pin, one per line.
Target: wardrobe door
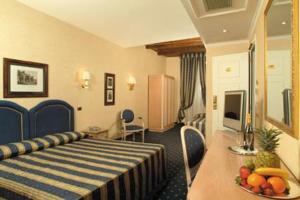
(172, 112)
(165, 103)
(170, 101)
(155, 106)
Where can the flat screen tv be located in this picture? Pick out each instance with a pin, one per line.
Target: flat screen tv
(235, 109)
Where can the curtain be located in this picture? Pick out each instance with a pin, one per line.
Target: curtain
(198, 105)
(189, 66)
(188, 69)
(202, 70)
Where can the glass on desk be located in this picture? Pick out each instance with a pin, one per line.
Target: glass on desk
(239, 139)
(250, 141)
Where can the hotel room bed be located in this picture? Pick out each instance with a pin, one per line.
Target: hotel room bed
(70, 166)
(198, 122)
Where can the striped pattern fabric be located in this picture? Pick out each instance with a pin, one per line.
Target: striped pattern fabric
(27, 146)
(85, 169)
(198, 122)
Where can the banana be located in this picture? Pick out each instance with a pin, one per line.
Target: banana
(268, 171)
(287, 185)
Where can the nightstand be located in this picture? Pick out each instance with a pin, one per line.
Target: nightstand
(97, 134)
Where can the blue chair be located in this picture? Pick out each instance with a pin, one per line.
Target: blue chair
(194, 148)
(128, 128)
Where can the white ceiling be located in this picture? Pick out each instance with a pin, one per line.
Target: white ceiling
(237, 20)
(137, 22)
(278, 13)
(125, 22)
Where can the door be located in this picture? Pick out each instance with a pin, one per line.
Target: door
(230, 72)
(279, 78)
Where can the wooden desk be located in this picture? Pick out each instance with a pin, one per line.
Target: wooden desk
(215, 177)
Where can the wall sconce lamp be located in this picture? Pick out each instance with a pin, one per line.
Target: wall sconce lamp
(86, 77)
(131, 82)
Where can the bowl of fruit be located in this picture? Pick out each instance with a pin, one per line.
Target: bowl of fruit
(267, 182)
(262, 174)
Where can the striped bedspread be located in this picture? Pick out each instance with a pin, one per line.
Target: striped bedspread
(80, 168)
(198, 123)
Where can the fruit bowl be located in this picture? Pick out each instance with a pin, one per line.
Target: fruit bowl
(294, 192)
(267, 182)
(262, 176)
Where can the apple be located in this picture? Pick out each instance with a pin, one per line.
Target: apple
(244, 172)
(256, 189)
(268, 192)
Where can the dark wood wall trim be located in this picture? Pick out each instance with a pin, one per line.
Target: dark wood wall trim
(178, 47)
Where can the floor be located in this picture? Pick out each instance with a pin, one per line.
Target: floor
(176, 188)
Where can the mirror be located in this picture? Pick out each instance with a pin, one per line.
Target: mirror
(281, 60)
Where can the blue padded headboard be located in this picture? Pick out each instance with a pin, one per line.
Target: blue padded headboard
(14, 122)
(52, 116)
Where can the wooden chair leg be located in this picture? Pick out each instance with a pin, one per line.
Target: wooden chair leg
(143, 136)
(124, 136)
(133, 137)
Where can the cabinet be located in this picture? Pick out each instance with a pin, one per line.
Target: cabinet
(161, 100)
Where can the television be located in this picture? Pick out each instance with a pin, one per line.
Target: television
(234, 109)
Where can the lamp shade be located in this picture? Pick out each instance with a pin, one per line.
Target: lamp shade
(86, 75)
(131, 80)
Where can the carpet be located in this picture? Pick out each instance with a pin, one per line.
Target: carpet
(176, 188)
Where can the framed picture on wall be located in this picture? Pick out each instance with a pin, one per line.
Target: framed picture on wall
(110, 82)
(24, 79)
(109, 89)
(110, 96)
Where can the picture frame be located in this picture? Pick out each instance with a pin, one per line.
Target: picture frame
(110, 82)
(109, 89)
(24, 79)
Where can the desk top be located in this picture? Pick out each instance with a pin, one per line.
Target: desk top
(215, 177)
(94, 132)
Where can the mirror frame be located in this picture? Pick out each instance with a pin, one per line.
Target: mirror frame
(294, 130)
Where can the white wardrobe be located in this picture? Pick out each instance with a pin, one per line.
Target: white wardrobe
(161, 100)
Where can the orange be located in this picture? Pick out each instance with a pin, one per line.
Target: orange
(256, 180)
(278, 184)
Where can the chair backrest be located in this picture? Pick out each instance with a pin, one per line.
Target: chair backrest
(193, 146)
(127, 115)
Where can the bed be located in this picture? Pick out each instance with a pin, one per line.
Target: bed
(198, 122)
(49, 160)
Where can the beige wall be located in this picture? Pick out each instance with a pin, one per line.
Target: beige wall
(30, 35)
(211, 51)
(173, 69)
(289, 149)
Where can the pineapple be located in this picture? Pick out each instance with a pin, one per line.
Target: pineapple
(268, 141)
